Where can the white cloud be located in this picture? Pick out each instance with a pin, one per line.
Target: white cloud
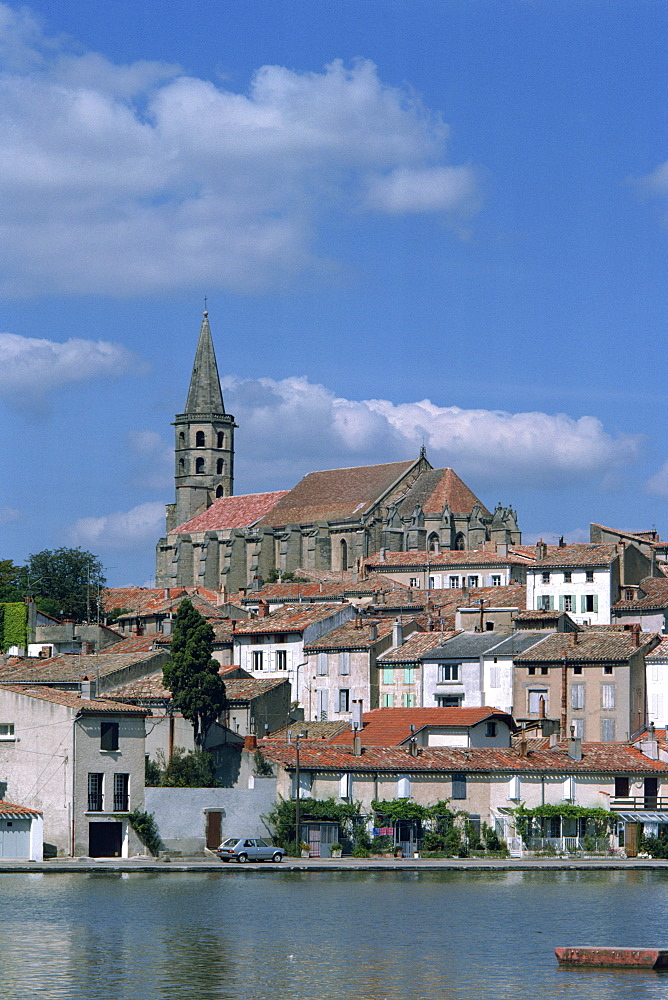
(33, 367)
(658, 483)
(132, 178)
(8, 515)
(120, 530)
(286, 426)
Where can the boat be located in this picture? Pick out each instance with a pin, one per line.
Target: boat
(614, 958)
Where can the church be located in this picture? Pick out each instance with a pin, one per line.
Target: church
(330, 521)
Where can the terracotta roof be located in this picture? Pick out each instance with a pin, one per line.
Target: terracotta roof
(289, 618)
(595, 645)
(72, 699)
(540, 616)
(232, 512)
(653, 595)
(313, 730)
(438, 487)
(336, 494)
(450, 599)
(352, 636)
(413, 647)
(597, 758)
(385, 727)
(659, 652)
(70, 666)
(8, 810)
(580, 554)
(151, 688)
(455, 558)
(133, 644)
(145, 600)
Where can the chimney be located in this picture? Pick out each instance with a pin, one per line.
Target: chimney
(413, 747)
(373, 632)
(262, 609)
(86, 688)
(574, 638)
(398, 634)
(266, 730)
(502, 549)
(541, 707)
(554, 739)
(636, 636)
(357, 746)
(358, 720)
(574, 747)
(250, 741)
(523, 743)
(381, 556)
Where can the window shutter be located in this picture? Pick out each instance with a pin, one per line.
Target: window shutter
(344, 662)
(404, 787)
(539, 604)
(595, 602)
(514, 788)
(583, 603)
(459, 786)
(569, 789)
(561, 602)
(551, 603)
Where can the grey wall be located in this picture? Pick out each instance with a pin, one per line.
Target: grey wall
(180, 813)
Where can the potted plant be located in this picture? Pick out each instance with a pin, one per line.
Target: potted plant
(335, 850)
(306, 850)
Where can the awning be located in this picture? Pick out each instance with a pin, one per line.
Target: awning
(643, 816)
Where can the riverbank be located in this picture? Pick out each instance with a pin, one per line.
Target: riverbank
(162, 866)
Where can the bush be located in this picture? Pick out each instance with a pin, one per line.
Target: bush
(452, 842)
(146, 828)
(152, 772)
(656, 846)
(361, 852)
(189, 769)
(381, 845)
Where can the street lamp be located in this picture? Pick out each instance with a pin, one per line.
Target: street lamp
(298, 737)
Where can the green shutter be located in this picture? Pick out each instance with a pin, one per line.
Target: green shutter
(595, 602)
(583, 605)
(551, 603)
(561, 602)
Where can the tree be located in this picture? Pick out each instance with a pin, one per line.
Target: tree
(191, 674)
(68, 581)
(12, 581)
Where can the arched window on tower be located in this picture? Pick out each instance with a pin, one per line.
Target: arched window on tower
(221, 440)
(182, 439)
(220, 467)
(199, 439)
(220, 492)
(199, 466)
(344, 554)
(182, 467)
(460, 542)
(433, 544)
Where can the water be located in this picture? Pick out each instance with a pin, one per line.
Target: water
(293, 936)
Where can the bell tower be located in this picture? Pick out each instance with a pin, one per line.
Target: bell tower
(204, 439)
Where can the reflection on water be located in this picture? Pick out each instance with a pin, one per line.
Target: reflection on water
(292, 936)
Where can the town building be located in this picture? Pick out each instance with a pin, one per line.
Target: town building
(656, 662)
(499, 565)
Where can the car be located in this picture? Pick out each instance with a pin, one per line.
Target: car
(248, 849)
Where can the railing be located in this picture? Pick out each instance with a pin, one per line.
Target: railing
(639, 803)
(120, 801)
(94, 801)
(567, 845)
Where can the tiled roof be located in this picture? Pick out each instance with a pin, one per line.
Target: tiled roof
(593, 644)
(386, 727)
(145, 600)
(445, 486)
(352, 636)
(133, 644)
(471, 645)
(653, 595)
(151, 688)
(336, 494)
(290, 618)
(72, 699)
(9, 811)
(414, 646)
(660, 652)
(171, 605)
(232, 512)
(70, 666)
(597, 758)
(545, 617)
(313, 730)
(455, 558)
(450, 599)
(580, 554)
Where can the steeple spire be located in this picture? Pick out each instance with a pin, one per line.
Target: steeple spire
(204, 394)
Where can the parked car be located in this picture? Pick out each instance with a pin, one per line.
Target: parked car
(248, 849)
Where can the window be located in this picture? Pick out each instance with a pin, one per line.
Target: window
(458, 786)
(388, 675)
(220, 492)
(344, 554)
(568, 602)
(408, 699)
(220, 467)
(589, 602)
(256, 659)
(199, 439)
(544, 671)
(490, 728)
(448, 700)
(431, 583)
(569, 789)
(413, 582)
(545, 577)
(346, 786)
(95, 792)
(473, 581)
(220, 440)
(534, 700)
(344, 662)
(495, 677)
(567, 576)
(607, 696)
(404, 786)
(305, 784)
(322, 665)
(7, 731)
(515, 788)
(577, 696)
(589, 576)
(448, 672)
(199, 466)
(531, 671)
(545, 603)
(409, 675)
(108, 736)
(322, 701)
(344, 700)
(621, 787)
(454, 581)
(577, 668)
(281, 659)
(496, 580)
(578, 728)
(629, 595)
(387, 701)
(607, 668)
(121, 788)
(608, 730)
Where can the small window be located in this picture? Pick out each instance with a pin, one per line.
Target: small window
(220, 441)
(577, 668)
(220, 467)
(95, 781)
(199, 466)
(473, 581)
(387, 700)
(413, 582)
(454, 582)
(7, 731)
(589, 602)
(344, 700)
(496, 580)
(256, 659)
(545, 602)
(567, 576)
(608, 730)
(577, 696)
(321, 668)
(578, 728)
(448, 700)
(220, 492)
(545, 576)
(621, 787)
(543, 671)
(589, 576)
(568, 602)
(531, 671)
(344, 662)
(408, 699)
(534, 700)
(121, 789)
(629, 595)
(459, 786)
(490, 728)
(281, 659)
(109, 736)
(409, 675)
(607, 668)
(199, 439)
(404, 787)
(448, 672)
(607, 696)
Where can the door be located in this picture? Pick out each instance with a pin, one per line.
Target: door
(314, 841)
(651, 788)
(213, 828)
(15, 838)
(105, 840)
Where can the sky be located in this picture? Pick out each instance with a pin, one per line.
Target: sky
(413, 222)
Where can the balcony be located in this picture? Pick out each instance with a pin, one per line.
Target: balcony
(640, 803)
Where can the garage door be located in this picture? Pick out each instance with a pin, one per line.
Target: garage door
(14, 838)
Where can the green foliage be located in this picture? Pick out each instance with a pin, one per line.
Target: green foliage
(14, 626)
(336, 846)
(601, 820)
(361, 852)
(111, 616)
(396, 809)
(12, 581)
(382, 844)
(276, 577)
(191, 674)
(146, 828)
(262, 767)
(152, 772)
(491, 839)
(69, 579)
(189, 769)
(281, 819)
(656, 846)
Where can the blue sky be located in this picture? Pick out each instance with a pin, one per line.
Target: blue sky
(414, 221)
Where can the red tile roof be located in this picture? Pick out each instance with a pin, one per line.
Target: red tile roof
(71, 699)
(71, 666)
(580, 554)
(659, 652)
(9, 811)
(239, 690)
(336, 494)
(145, 600)
(352, 636)
(385, 727)
(652, 596)
(413, 647)
(455, 558)
(593, 644)
(289, 618)
(232, 512)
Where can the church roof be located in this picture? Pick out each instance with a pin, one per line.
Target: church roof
(336, 494)
(436, 488)
(232, 512)
(204, 394)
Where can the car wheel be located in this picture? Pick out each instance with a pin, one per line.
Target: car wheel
(277, 856)
(242, 858)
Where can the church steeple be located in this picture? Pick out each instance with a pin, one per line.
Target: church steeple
(204, 445)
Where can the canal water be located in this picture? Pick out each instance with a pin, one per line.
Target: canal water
(298, 936)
